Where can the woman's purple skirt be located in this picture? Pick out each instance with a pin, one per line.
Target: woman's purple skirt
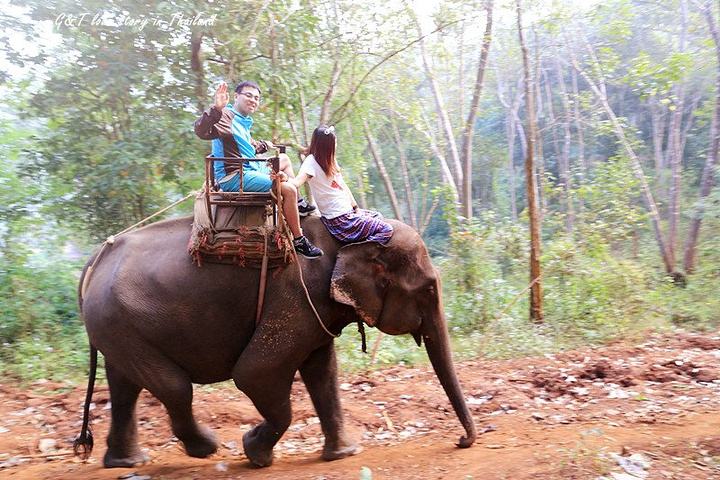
(360, 225)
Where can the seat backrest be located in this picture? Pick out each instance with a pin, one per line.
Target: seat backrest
(233, 209)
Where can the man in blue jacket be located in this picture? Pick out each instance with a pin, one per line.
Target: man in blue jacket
(228, 126)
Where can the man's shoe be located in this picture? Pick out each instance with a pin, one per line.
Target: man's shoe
(304, 208)
(306, 249)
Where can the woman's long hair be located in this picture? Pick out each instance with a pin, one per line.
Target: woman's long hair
(322, 147)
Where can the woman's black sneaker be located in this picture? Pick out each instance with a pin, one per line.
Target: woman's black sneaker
(305, 208)
(306, 249)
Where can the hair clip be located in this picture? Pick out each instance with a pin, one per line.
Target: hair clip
(329, 130)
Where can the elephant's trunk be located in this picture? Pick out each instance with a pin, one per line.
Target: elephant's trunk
(437, 344)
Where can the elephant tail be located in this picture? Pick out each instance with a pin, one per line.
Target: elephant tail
(83, 444)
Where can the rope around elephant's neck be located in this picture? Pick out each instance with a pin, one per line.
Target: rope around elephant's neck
(282, 223)
(307, 295)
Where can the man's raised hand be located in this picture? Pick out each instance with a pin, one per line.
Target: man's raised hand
(221, 96)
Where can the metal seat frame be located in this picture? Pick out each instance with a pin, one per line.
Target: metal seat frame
(241, 198)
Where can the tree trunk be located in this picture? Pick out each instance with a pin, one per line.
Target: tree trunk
(387, 181)
(675, 155)
(539, 159)
(510, 133)
(274, 67)
(469, 129)
(409, 198)
(361, 191)
(444, 167)
(578, 124)
(677, 152)
(197, 67)
(303, 117)
(565, 176)
(510, 129)
(330, 93)
(707, 179)
(657, 119)
(336, 70)
(426, 212)
(536, 304)
(440, 107)
(461, 73)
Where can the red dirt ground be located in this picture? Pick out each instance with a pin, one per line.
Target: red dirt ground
(574, 415)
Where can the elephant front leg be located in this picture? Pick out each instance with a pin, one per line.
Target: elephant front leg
(319, 372)
(269, 389)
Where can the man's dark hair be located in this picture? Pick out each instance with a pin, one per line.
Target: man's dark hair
(246, 83)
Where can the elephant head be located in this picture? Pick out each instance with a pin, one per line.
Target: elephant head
(396, 289)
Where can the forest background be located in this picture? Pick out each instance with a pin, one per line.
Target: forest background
(430, 102)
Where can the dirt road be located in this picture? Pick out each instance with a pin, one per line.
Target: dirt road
(649, 410)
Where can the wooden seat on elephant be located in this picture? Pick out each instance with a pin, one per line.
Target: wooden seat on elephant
(239, 227)
(245, 208)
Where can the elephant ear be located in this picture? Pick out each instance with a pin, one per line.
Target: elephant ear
(359, 279)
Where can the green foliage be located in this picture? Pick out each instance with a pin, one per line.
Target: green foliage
(484, 256)
(651, 77)
(591, 295)
(400, 350)
(41, 333)
(614, 20)
(610, 212)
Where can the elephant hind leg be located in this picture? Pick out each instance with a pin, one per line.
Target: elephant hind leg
(171, 385)
(123, 450)
(319, 373)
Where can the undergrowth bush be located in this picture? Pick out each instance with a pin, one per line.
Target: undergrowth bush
(485, 259)
(592, 295)
(41, 335)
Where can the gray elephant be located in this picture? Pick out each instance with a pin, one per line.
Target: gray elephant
(163, 323)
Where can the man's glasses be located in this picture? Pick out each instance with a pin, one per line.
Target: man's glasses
(250, 96)
(329, 130)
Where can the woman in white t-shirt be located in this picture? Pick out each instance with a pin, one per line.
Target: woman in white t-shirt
(338, 209)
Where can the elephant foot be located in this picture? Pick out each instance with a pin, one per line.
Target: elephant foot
(258, 454)
(121, 461)
(330, 454)
(202, 444)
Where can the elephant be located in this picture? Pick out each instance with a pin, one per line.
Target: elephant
(164, 324)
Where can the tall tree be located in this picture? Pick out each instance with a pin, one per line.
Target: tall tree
(676, 151)
(382, 170)
(599, 88)
(469, 128)
(536, 295)
(402, 156)
(707, 179)
(511, 128)
(564, 163)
